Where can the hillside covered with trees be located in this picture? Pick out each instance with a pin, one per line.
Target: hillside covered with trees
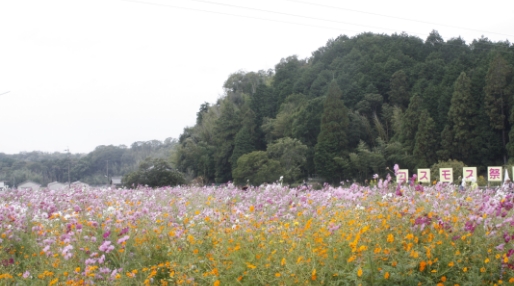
(356, 106)
(91, 168)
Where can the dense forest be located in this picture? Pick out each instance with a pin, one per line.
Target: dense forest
(356, 106)
(92, 168)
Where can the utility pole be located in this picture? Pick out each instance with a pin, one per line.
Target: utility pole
(107, 173)
(69, 159)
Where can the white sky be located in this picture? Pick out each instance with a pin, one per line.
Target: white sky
(84, 73)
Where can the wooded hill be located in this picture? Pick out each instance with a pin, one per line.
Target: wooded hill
(356, 106)
(91, 168)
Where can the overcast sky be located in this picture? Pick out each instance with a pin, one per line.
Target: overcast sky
(84, 73)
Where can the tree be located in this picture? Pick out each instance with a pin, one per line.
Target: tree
(461, 117)
(498, 100)
(243, 144)
(427, 142)
(154, 173)
(199, 115)
(332, 139)
(410, 122)
(226, 128)
(399, 93)
(256, 168)
(291, 154)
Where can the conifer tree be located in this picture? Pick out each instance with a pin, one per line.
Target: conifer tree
(399, 93)
(243, 144)
(426, 141)
(497, 95)
(461, 117)
(410, 123)
(332, 139)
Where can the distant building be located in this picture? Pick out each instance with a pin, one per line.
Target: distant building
(56, 186)
(116, 181)
(29, 186)
(3, 187)
(79, 184)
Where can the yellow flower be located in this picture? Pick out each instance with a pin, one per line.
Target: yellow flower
(390, 238)
(465, 269)
(486, 260)
(251, 266)
(313, 274)
(277, 274)
(386, 275)
(451, 264)
(482, 269)
(359, 272)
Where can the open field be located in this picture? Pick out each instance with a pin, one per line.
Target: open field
(270, 234)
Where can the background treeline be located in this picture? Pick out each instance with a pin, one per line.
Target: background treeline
(356, 106)
(90, 168)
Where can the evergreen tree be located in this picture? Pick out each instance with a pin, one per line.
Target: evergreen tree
(461, 117)
(243, 144)
(410, 123)
(447, 148)
(427, 142)
(498, 100)
(332, 139)
(226, 128)
(399, 93)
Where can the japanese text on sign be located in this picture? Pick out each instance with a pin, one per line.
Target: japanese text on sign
(446, 175)
(424, 175)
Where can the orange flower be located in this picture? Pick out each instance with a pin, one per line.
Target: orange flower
(386, 275)
(216, 283)
(422, 266)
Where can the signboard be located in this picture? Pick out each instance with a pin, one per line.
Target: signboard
(469, 172)
(424, 175)
(494, 174)
(402, 175)
(446, 175)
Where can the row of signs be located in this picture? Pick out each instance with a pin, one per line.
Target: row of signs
(494, 174)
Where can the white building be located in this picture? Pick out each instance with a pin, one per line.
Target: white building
(29, 186)
(56, 186)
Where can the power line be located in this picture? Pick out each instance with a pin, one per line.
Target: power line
(273, 20)
(399, 18)
(291, 15)
(236, 15)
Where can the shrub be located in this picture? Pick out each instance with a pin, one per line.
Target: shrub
(454, 164)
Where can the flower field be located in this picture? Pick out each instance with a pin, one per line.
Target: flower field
(267, 235)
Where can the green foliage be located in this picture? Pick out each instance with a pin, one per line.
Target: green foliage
(256, 168)
(89, 168)
(332, 139)
(399, 93)
(243, 144)
(409, 101)
(291, 154)
(427, 141)
(454, 164)
(462, 117)
(154, 173)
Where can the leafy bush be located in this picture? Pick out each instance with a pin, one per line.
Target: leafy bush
(154, 173)
(257, 168)
(454, 164)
